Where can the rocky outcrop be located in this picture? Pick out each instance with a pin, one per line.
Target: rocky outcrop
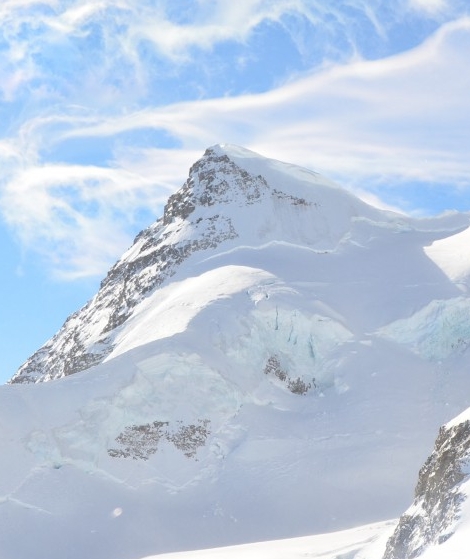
(232, 199)
(86, 338)
(274, 369)
(139, 442)
(438, 496)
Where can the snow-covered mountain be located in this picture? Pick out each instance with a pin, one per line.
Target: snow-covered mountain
(437, 525)
(232, 204)
(272, 358)
(239, 209)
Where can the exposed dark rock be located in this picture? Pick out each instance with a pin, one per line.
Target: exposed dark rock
(294, 200)
(139, 442)
(163, 260)
(207, 184)
(161, 249)
(438, 497)
(296, 386)
(188, 438)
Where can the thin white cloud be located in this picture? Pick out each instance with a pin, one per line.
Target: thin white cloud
(405, 117)
(77, 216)
(432, 7)
(44, 40)
(73, 18)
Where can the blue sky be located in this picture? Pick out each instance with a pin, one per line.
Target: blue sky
(105, 104)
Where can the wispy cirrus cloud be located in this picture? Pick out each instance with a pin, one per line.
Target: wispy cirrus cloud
(76, 216)
(404, 117)
(433, 7)
(89, 52)
(107, 103)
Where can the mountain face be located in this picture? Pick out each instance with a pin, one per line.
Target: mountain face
(221, 204)
(440, 503)
(271, 358)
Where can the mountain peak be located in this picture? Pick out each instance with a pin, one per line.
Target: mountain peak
(232, 196)
(235, 203)
(213, 179)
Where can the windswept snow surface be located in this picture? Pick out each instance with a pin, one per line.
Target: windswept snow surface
(347, 544)
(276, 381)
(451, 255)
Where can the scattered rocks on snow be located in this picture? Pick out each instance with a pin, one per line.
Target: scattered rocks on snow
(296, 386)
(139, 442)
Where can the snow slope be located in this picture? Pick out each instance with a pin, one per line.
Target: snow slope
(336, 545)
(237, 208)
(255, 367)
(451, 255)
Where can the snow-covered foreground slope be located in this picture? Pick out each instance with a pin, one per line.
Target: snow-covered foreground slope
(337, 545)
(271, 359)
(150, 454)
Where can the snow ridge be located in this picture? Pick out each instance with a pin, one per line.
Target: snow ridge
(87, 336)
(220, 202)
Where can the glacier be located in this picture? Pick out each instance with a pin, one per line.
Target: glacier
(272, 358)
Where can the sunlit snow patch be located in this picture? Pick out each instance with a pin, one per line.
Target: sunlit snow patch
(169, 311)
(368, 541)
(451, 255)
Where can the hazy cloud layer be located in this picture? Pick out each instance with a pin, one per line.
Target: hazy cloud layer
(106, 104)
